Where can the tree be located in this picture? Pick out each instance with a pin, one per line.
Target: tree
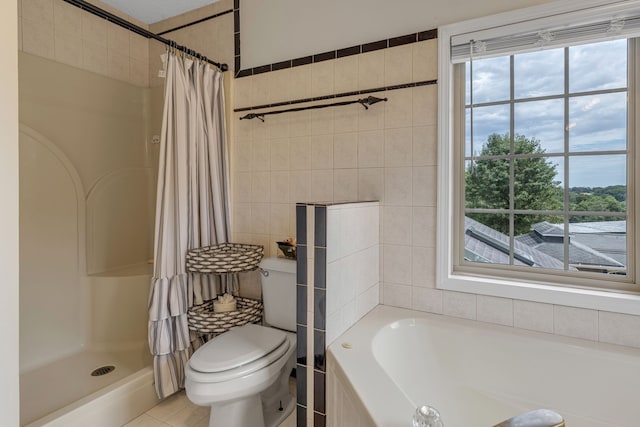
(487, 184)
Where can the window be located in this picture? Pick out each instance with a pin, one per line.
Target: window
(538, 132)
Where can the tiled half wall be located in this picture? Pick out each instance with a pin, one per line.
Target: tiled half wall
(337, 283)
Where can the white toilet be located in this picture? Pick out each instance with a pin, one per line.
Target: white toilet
(243, 374)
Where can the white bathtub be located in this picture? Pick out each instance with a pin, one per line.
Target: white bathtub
(475, 374)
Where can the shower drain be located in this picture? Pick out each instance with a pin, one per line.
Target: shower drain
(102, 370)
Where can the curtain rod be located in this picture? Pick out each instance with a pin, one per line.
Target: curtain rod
(365, 102)
(101, 13)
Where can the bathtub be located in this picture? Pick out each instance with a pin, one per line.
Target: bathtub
(62, 392)
(475, 374)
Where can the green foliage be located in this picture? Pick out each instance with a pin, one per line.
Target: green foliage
(487, 184)
(587, 201)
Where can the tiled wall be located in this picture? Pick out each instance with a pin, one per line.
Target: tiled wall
(386, 153)
(64, 33)
(337, 284)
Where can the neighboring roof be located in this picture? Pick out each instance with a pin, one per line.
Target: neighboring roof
(595, 243)
(484, 244)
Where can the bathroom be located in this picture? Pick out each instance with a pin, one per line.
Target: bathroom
(388, 152)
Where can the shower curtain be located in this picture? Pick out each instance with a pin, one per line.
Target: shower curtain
(192, 209)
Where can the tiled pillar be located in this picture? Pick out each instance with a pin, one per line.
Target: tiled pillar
(317, 235)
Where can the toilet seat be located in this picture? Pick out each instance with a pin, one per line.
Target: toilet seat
(238, 352)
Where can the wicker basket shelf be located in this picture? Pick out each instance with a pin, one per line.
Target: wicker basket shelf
(224, 258)
(203, 320)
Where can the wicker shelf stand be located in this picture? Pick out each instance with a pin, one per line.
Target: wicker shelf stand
(225, 258)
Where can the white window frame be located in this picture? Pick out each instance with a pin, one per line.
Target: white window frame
(522, 285)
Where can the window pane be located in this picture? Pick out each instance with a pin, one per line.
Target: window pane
(539, 73)
(487, 121)
(598, 245)
(487, 184)
(598, 183)
(537, 185)
(598, 122)
(598, 66)
(482, 240)
(542, 121)
(539, 241)
(490, 80)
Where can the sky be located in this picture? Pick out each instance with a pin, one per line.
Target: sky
(595, 122)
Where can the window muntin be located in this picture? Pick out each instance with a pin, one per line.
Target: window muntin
(561, 128)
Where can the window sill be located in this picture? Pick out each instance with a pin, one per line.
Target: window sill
(617, 302)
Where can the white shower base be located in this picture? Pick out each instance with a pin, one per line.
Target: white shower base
(64, 393)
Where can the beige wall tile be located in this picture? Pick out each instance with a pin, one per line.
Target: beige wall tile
(322, 121)
(345, 185)
(243, 90)
(345, 150)
(396, 226)
(424, 267)
(241, 155)
(398, 186)
(280, 187)
(424, 226)
(277, 126)
(426, 299)
(242, 218)
(371, 149)
(280, 154)
(425, 185)
(371, 70)
(372, 118)
(94, 57)
(300, 186)
(398, 109)
(94, 29)
(322, 185)
(300, 123)
(279, 222)
(242, 187)
(495, 310)
(300, 83)
(575, 322)
(346, 118)
(322, 152)
(322, 78)
(396, 264)
(68, 49)
(300, 153)
(139, 72)
(425, 60)
(118, 65)
(260, 187)
(533, 315)
(425, 145)
(425, 105)
(346, 74)
(67, 19)
(459, 304)
(260, 218)
(139, 47)
(118, 40)
(371, 184)
(39, 11)
(260, 156)
(280, 82)
(397, 295)
(38, 37)
(398, 63)
(616, 328)
(398, 147)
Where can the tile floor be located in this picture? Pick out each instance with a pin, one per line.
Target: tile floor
(178, 411)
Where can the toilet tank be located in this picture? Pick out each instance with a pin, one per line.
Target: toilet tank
(279, 292)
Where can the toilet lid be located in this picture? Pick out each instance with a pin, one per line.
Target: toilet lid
(237, 347)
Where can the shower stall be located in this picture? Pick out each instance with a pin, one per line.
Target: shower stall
(87, 190)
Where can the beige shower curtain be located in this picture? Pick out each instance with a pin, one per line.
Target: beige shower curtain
(192, 209)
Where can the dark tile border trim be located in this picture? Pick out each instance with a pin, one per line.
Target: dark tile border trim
(339, 53)
(199, 21)
(337, 95)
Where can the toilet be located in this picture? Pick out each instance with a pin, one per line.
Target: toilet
(243, 374)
